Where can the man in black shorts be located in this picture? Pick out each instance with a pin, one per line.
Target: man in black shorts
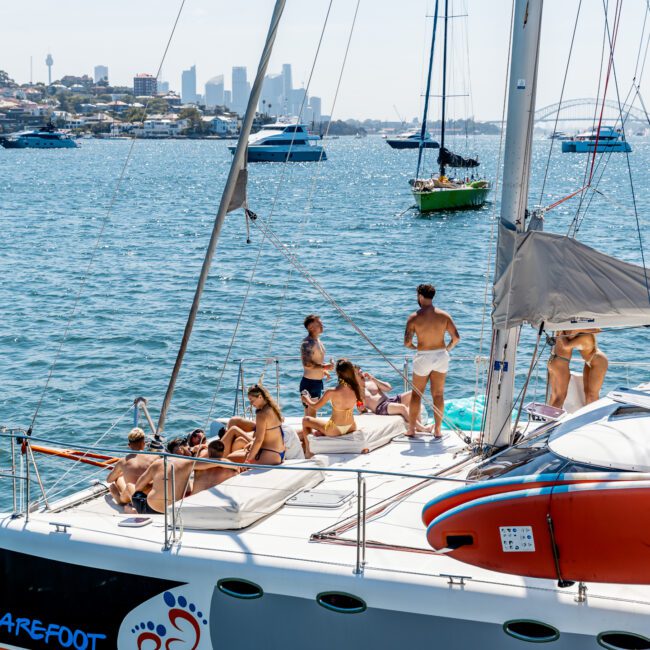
(312, 353)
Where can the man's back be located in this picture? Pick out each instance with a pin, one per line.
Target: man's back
(135, 465)
(429, 325)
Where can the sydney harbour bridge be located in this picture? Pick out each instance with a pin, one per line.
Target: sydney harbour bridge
(588, 110)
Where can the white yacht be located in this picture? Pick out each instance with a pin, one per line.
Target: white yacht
(281, 142)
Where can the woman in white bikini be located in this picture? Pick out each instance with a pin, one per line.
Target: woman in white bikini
(596, 363)
(344, 398)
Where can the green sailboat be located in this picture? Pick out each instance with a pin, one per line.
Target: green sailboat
(441, 192)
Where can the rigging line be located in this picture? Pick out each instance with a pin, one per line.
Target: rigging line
(272, 212)
(584, 178)
(638, 56)
(612, 46)
(315, 178)
(494, 210)
(557, 115)
(280, 246)
(645, 56)
(629, 167)
(425, 112)
(89, 449)
(99, 238)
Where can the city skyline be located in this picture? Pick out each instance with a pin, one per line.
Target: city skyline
(384, 75)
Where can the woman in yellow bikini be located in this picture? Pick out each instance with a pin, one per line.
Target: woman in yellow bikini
(344, 398)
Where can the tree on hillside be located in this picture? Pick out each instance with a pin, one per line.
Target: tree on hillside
(5, 80)
(196, 124)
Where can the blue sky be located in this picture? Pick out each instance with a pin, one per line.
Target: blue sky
(385, 71)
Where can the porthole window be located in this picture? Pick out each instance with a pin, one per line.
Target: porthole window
(238, 588)
(623, 641)
(531, 631)
(338, 601)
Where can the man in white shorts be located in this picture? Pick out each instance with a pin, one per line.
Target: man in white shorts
(429, 325)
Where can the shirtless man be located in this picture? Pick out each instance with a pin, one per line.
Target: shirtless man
(212, 474)
(312, 353)
(431, 360)
(128, 470)
(376, 400)
(149, 495)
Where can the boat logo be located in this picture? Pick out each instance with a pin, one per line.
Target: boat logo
(521, 84)
(178, 625)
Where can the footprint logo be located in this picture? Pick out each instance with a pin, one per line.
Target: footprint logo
(185, 621)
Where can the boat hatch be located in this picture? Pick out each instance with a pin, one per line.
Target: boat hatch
(238, 588)
(340, 602)
(320, 498)
(531, 631)
(623, 641)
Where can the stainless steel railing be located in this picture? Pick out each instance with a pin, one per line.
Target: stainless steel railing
(172, 520)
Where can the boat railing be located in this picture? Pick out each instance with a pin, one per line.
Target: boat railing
(23, 505)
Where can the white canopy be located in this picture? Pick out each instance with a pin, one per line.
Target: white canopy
(556, 280)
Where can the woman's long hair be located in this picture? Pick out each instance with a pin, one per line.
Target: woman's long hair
(346, 373)
(257, 390)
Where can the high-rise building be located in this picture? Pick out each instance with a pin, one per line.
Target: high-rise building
(271, 97)
(287, 79)
(163, 87)
(144, 85)
(297, 101)
(101, 73)
(227, 98)
(188, 86)
(315, 105)
(214, 89)
(240, 89)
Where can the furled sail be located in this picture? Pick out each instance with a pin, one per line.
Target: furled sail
(238, 199)
(558, 281)
(450, 159)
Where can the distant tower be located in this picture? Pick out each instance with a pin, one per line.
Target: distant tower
(48, 62)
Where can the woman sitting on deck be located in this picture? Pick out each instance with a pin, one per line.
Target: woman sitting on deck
(260, 442)
(344, 398)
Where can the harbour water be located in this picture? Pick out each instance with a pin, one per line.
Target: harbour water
(348, 222)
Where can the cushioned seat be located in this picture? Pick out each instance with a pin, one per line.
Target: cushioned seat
(249, 496)
(373, 431)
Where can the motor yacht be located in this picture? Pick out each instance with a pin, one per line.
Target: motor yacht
(411, 140)
(284, 142)
(46, 137)
(607, 139)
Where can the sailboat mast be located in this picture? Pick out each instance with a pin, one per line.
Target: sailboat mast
(237, 165)
(444, 86)
(423, 131)
(522, 86)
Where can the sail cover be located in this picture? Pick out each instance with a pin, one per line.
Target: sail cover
(564, 284)
(449, 159)
(238, 199)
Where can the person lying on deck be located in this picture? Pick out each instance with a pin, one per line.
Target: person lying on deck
(128, 470)
(344, 398)
(149, 495)
(179, 447)
(261, 441)
(195, 441)
(376, 401)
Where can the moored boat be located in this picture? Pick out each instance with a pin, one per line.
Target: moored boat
(281, 142)
(412, 140)
(46, 137)
(602, 140)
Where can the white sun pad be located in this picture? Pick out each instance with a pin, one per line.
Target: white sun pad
(247, 497)
(373, 431)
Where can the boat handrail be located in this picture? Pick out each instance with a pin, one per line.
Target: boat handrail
(172, 529)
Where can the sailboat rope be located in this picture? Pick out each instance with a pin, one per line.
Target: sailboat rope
(494, 220)
(557, 115)
(250, 218)
(308, 204)
(95, 248)
(294, 261)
